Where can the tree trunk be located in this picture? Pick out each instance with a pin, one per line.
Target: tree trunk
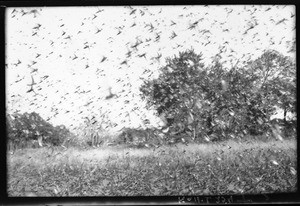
(285, 124)
(284, 115)
(209, 125)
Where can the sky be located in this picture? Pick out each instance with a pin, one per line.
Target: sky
(75, 54)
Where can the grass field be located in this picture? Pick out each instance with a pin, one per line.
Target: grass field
(200, 169)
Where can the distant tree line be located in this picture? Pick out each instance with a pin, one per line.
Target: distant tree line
(21, 129)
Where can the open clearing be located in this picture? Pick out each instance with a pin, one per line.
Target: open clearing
(205, 169)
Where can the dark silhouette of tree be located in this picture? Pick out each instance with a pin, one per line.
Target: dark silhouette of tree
(202, 101)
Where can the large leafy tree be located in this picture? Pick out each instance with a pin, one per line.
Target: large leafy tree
(191, 97)
(175, 92)
(276, 82)
(203, 101)
(277, 79)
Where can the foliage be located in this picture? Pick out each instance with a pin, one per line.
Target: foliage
(140, 137)
(275, 85)
(92, 126)
(214, 101)
(277, 82)
(171, 92)
(22, 128)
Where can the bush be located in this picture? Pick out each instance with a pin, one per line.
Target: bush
(24, 129)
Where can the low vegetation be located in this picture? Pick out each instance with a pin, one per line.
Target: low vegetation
(231, 167)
